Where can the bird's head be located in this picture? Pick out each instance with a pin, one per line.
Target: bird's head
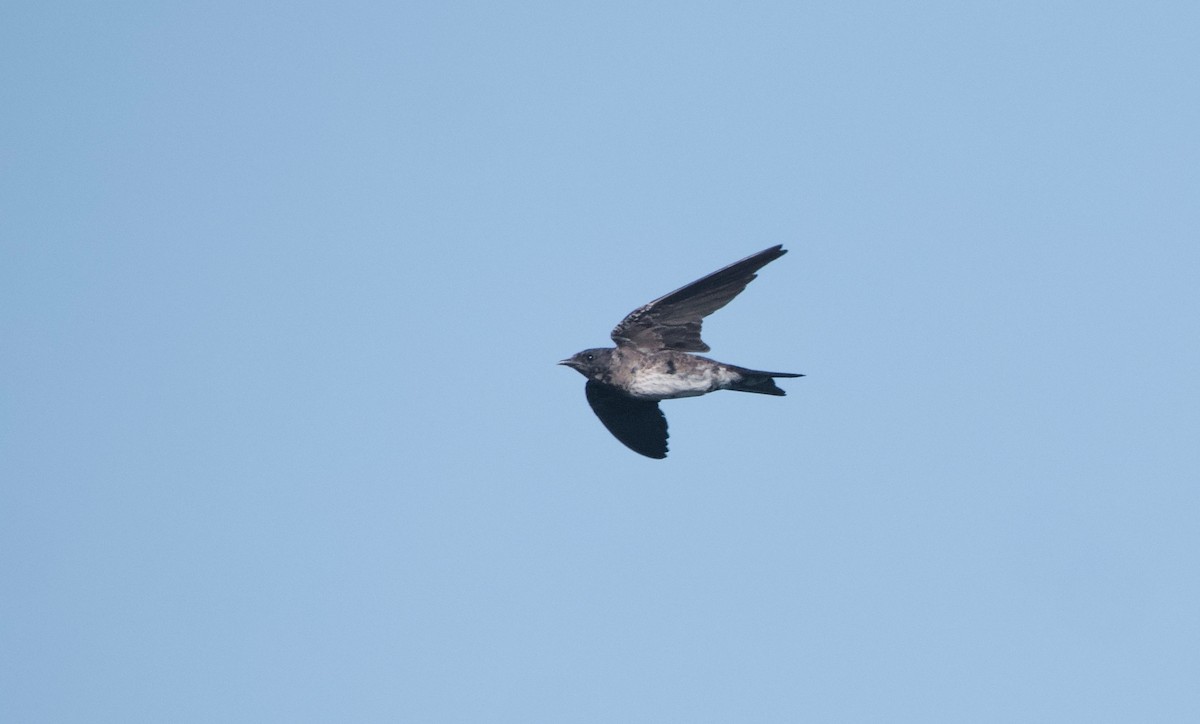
(591, 363)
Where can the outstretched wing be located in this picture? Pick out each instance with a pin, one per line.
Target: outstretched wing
(673, 321)
(639, 424)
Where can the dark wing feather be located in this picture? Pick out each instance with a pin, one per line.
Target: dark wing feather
(638, 424)
(673, 321)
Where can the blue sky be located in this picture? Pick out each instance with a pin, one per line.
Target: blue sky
(282, 288)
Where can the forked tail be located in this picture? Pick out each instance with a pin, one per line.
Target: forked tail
(759, 381)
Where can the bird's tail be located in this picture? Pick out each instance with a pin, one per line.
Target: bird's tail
(759, 381)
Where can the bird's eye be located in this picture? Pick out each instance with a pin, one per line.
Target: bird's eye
(589, 357)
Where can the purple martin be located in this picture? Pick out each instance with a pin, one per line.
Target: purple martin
(651, 361)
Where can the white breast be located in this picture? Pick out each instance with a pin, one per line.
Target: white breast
(659, 386)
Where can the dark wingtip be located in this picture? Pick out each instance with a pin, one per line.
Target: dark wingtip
(650, 451)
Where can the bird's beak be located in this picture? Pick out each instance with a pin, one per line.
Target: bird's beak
(568, 362)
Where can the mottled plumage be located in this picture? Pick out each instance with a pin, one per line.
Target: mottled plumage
(651, 361)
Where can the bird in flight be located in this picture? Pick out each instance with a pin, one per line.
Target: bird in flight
(651, 361)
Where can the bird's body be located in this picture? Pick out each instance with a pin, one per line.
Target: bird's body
(652, 359)
(670, 374)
